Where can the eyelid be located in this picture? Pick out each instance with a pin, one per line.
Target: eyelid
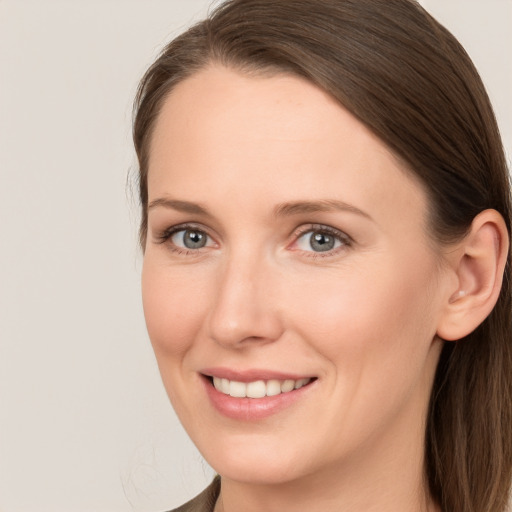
(165, 235)
(346, 240)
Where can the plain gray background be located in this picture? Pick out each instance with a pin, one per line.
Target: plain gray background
(84, 421)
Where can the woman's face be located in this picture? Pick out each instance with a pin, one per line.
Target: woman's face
(287, 247)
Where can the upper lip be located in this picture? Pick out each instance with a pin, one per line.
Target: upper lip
(251, 375)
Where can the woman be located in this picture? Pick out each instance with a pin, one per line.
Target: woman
(325, 226)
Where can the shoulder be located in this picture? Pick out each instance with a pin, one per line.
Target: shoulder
(204, 502)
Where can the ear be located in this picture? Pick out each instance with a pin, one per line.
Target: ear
(478, 263)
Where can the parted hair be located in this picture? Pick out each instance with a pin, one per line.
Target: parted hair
(411, 83)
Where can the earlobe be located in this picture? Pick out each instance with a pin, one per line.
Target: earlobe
(478, 263)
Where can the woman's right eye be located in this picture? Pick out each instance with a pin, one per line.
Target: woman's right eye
(185, 239)
(190, 239)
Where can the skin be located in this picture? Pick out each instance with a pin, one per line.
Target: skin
(362, 318)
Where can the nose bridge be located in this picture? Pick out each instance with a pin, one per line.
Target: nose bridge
(243, 309)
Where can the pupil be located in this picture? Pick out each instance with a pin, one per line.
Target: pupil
(194, 239)
(321, 242)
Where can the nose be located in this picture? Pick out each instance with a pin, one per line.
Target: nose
(245, 309)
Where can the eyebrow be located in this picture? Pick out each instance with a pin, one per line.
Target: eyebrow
(281, 210)
(324, 205)
(181, 206)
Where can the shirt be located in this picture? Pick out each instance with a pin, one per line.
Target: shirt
(204, 502)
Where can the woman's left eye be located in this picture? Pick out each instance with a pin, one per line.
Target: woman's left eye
(321, 240)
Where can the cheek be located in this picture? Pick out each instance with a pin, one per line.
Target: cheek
(360, 319)
(373, 331)
(173, 305)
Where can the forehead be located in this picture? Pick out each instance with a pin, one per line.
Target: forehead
(223, 134)
(279, 109)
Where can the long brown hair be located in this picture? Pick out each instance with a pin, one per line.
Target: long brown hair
(409, 81)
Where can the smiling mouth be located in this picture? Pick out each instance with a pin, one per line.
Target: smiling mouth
(258, 388)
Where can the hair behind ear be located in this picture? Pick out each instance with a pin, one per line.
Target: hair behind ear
(469, 435)
(469, 432)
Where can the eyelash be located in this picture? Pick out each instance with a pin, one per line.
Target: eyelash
(345, 240)
(166, 235)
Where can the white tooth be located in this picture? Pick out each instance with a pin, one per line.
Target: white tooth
(287, 385)
(217, 383)
(237, 389)
(256, 389)
(273, 387)
(224, 386)
(300, 383)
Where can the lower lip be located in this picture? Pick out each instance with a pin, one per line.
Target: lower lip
(253, 409)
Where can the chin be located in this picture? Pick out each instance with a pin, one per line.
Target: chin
(260, 473)
(255, 463)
